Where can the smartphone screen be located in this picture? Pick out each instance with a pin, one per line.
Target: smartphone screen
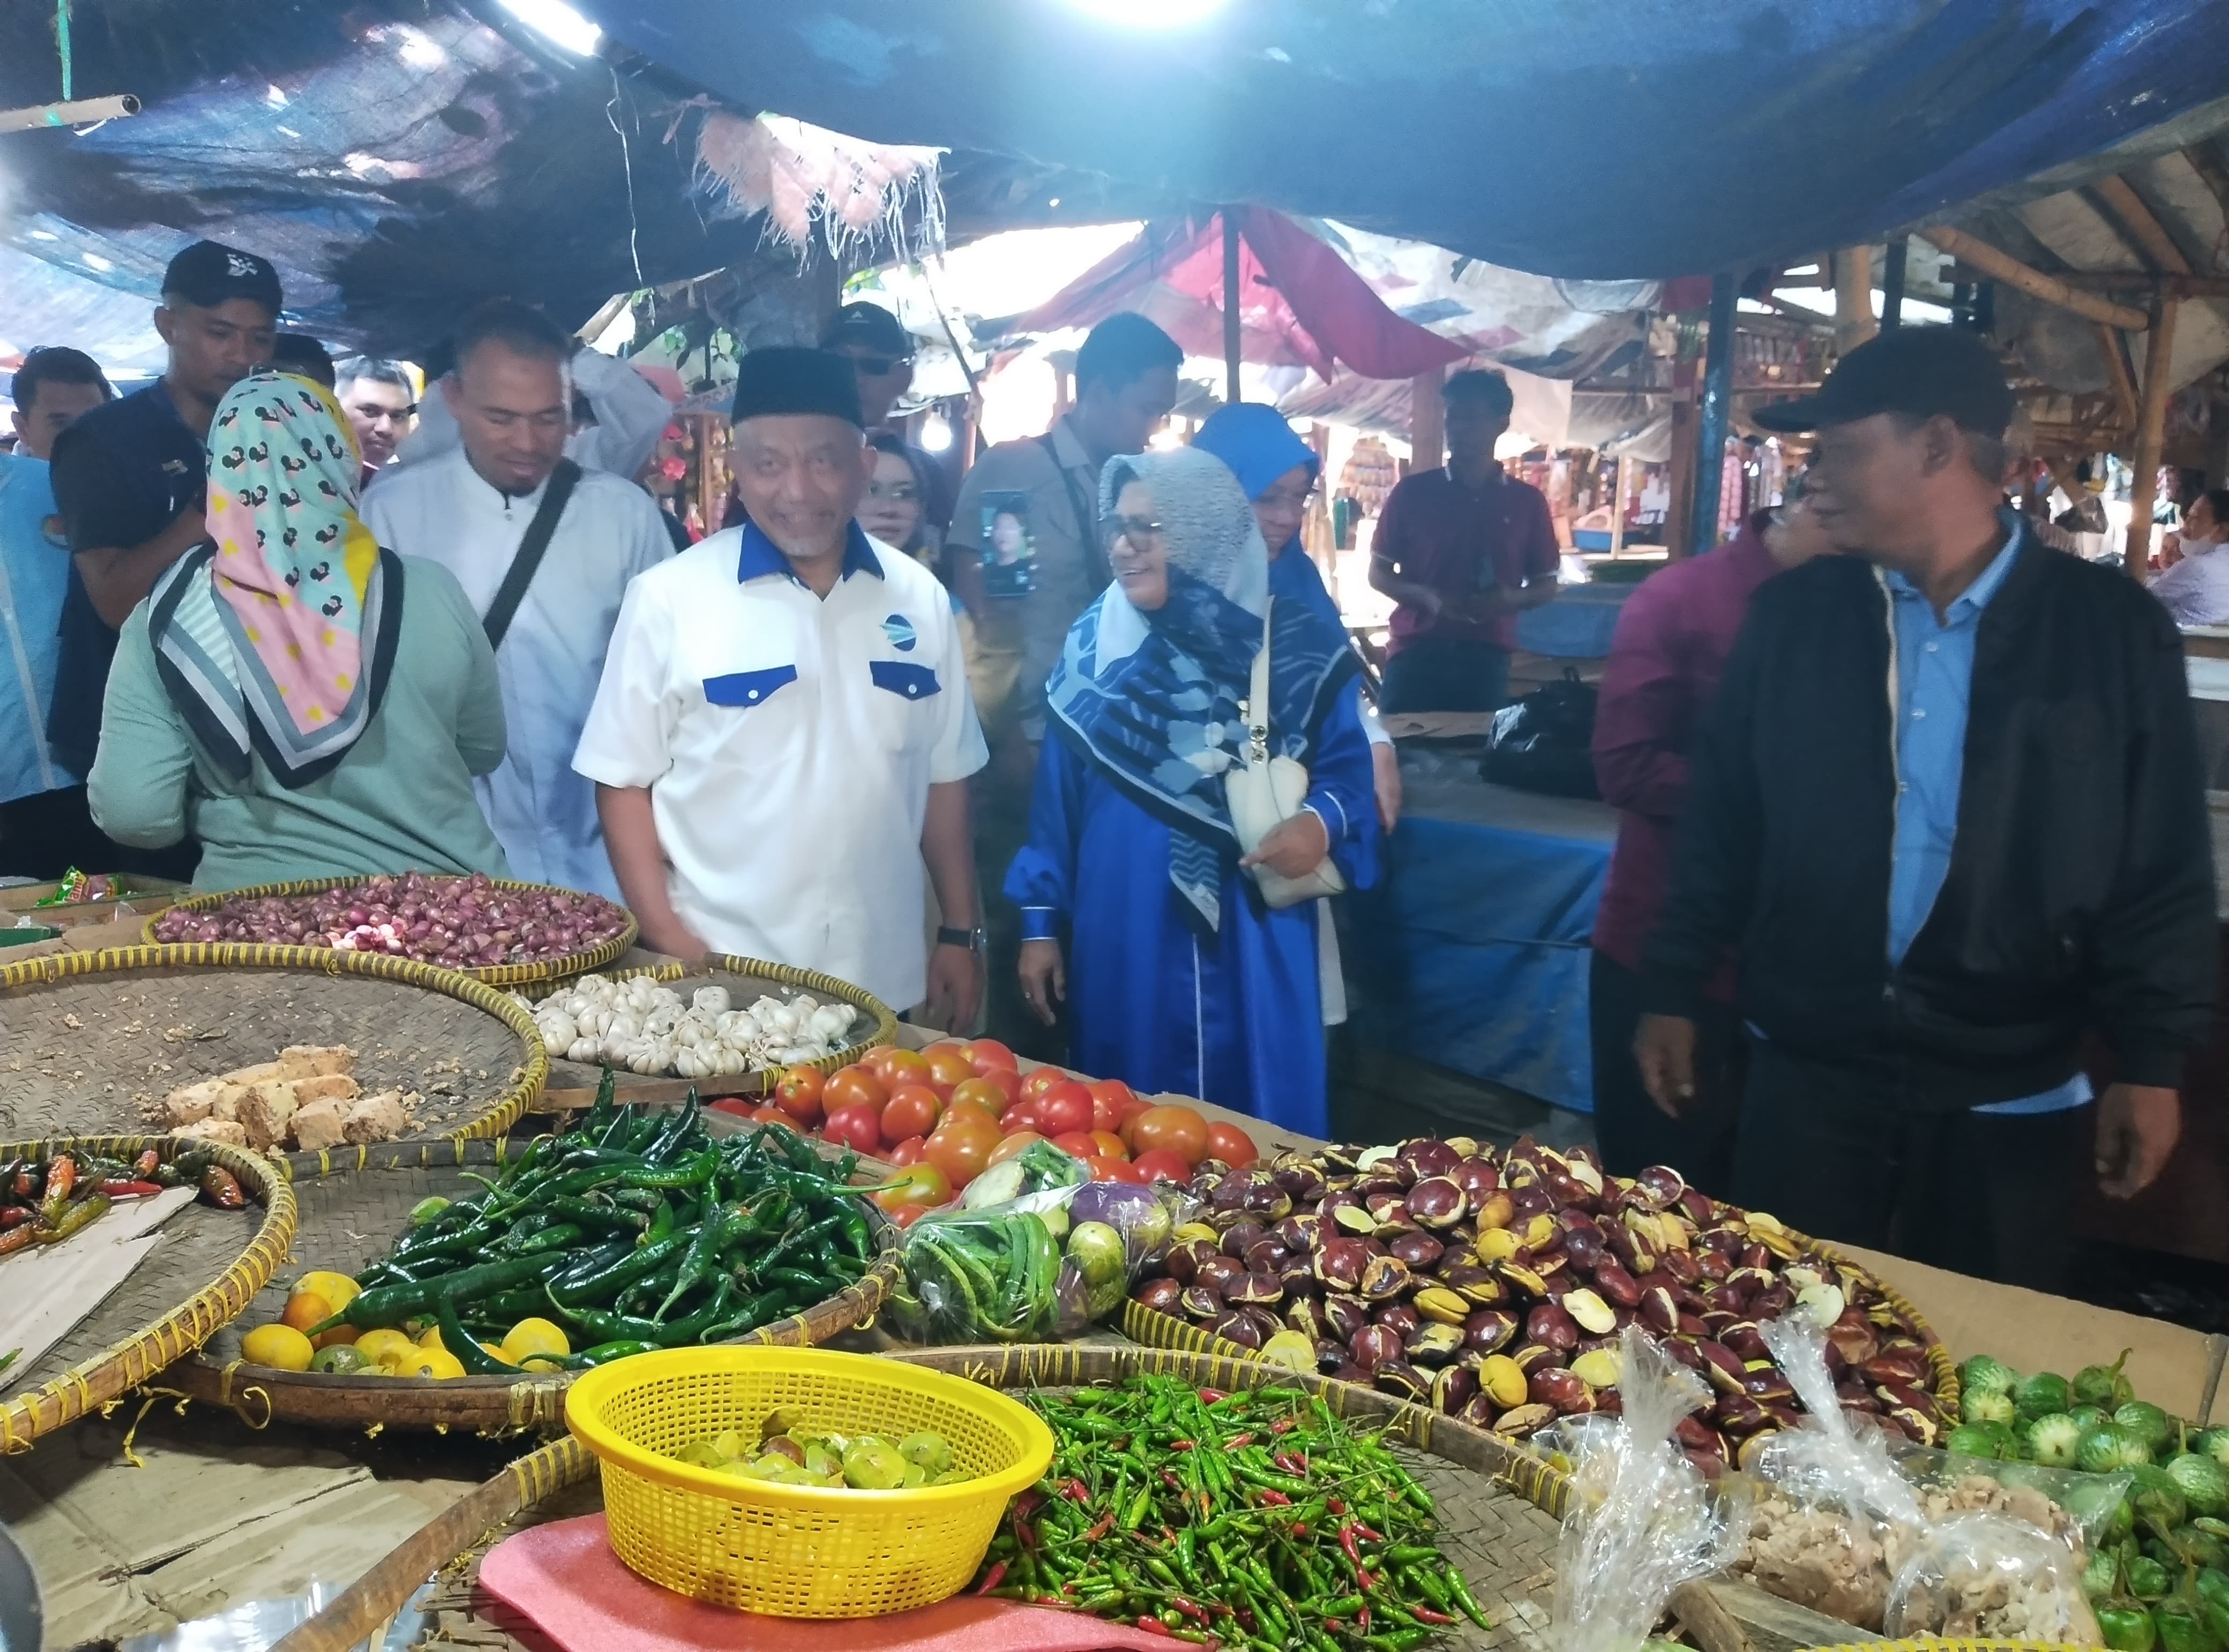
(1009, 553)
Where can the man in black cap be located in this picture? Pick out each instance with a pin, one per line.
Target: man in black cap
(783, 735)
(1949, 806)
(875, 341)
(129, 479)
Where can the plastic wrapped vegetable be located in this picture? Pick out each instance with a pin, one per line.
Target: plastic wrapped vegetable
(1642, 1520)
(1993, 1577)
(1040, 1178)
(978, 1277)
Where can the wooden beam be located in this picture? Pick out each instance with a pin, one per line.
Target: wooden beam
(2143, 282)
(2151, 235)
(2117, 373)
(1854, 298)
(2210, 172)
(2151, 425)
(2003, 266)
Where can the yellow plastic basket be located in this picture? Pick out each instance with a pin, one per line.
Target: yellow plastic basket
(798, 1551)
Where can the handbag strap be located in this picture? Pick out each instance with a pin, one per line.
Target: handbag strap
(539, 533)
(1256, 709)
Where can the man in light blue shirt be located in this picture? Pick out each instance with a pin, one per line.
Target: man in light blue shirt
(43, 810)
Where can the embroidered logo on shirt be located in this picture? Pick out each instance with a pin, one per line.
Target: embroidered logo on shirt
(900, 630)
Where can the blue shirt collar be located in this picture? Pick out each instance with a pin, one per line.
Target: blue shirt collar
(760, 556)
(1975, 597)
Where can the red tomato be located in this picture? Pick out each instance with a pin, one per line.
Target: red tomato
(744, 1107)
(797, 1092)
(1005, 1080)
(1037, 1080)
(1064, 1107)
(947, 1065)
(1012, 1144)
(856, 1125)
(1180, 1129)
(1107, 1170)
(912, 1109)
(1110, 1144)
(975, 1092)
(960, 1151)
(854, 1087)
(1017, 1118)
(919, 1184)
(906, 1152)
(1159, 1164)
(988, 1052)
(1108, 1095)
(768, 1113)
(1232, 1144)
(899, 1067)
(907, 1215)
(1075, 1143)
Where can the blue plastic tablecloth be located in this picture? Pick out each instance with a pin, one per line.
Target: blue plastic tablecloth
(1472, 951)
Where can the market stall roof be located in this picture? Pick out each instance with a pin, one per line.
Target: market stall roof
(1611, 138)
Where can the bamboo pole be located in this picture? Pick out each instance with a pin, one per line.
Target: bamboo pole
(2151, 426)
(2004, 267)
(2210, 172)
(1231, 338)
(2116, 371)
(2137, 219)
(1854, 298)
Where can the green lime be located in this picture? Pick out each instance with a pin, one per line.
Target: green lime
(341, 1360)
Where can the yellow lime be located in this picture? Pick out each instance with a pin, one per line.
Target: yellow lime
(385, 1347)
(336, 1288)
(532, 1337)
(432, 1338)
(431, 1362)
(279, 1346)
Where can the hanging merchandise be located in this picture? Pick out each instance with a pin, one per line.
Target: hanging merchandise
(793, 172)
(1368, 475)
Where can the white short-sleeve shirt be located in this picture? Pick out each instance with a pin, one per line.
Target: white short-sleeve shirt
(789, 742)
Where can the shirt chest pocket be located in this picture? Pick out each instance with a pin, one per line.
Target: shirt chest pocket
(903, 679)
(896, 689)
(747, 689)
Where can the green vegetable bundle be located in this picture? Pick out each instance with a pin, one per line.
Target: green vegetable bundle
(1258, 1519)
(636, 1230)
(990, 1277)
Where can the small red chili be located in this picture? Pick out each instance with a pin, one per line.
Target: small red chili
(1275, 1498)
(1427, 1615)
(1238, 1441)
(1180, 1445)
(119, 1188)
(1209, 1396)
(990, 1577)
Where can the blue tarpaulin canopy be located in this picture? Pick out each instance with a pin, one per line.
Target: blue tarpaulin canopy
(1578, 137)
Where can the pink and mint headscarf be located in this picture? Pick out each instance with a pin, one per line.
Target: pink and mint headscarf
(277, 635)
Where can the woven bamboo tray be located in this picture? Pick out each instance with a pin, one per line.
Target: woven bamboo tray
(200, 1275)
(1143, 1324)
(351, 1208)
(1495, 1504)
(89, 1041)
(495, 975)
(573, 1083)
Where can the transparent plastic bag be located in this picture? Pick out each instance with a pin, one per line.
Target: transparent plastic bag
(1642, 1520)
(2073, 1507)
(1988, 1576)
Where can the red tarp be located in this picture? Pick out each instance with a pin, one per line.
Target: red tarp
(1303, 305)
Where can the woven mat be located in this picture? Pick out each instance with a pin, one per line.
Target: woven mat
(197, 1245)
(346, 1221)
(93, 1056)
(1505, 1547)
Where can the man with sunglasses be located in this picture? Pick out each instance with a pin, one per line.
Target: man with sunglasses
(876, 343)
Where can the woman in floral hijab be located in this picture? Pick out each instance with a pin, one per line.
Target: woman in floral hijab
(302, 701)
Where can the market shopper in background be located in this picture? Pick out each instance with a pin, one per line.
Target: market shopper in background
(1023, 553)
(1949, 805)
(1673, 634)
(880, 349)
(300, 353)
(1139, 910)
(42, 809)
(2194, 590)
(1461, 550)
(129, 478)
(380, 400)
(299, 701)
(543, 549)
(782, 738)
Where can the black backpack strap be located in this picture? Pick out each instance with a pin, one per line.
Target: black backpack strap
(1095, 565)
(539, 533)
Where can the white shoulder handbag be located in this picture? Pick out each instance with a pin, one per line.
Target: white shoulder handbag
(1265, 792)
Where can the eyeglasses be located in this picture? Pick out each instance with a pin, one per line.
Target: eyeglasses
(903, 493)
(875, 367)
(1141, 531)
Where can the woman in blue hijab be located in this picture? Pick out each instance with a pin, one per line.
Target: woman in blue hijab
(1176, 975)
(1278, 472)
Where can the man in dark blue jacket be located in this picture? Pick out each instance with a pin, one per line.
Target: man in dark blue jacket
(1949, 807)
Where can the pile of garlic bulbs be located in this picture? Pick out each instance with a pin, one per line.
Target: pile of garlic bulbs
(642, 1026)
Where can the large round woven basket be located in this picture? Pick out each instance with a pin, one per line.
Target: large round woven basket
(91, 1041)
(351, 1207)
(202, 1272)
(1497, 1505)
(495, 975)
(745, 980)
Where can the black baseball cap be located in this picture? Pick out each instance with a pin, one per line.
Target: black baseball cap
(209, 273)
(787, 379)
(871, 325)
(1919, 371)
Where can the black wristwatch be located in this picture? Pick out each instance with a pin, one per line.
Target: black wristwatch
(973, 939)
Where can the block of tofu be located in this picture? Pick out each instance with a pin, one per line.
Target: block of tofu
(214, 1129)
(314, 1061)
(375, 1118)
(319, 1124)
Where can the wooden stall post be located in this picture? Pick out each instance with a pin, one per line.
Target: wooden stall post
(1428, 422)
(1714, 414)
(1892, 282)
(2151, 425)
(1678, 516)
(1854, 298)
(1230, 336)
(1617, 507)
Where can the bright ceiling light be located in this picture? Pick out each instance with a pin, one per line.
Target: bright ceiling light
(936, 433)
(1149, 13)
(558, 21)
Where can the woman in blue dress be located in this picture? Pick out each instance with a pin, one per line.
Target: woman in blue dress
(1176, 977)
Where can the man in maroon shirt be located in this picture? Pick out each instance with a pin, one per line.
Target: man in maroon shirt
(1672, 637)
(1463, 549)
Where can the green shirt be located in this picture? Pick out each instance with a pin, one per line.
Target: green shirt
(401, 800)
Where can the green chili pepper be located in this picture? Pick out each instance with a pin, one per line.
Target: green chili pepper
(388, 1307)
